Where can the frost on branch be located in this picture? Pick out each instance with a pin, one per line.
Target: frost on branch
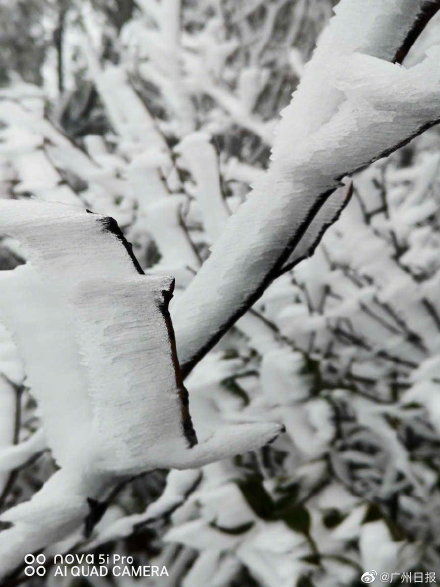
(101, 364)
(160, 116)
(352, 107)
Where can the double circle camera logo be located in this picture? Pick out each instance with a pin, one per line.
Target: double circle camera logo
(34, 565)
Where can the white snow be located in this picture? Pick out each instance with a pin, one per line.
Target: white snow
(100, 364)
(343, 95)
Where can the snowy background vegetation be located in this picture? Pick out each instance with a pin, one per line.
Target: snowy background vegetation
(161, 114)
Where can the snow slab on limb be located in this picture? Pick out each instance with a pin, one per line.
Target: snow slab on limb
(98, 349)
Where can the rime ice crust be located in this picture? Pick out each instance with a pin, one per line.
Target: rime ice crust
(98, 349)
(352, 107)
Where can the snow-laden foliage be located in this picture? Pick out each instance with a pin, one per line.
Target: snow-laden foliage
(161, 115)
(355, 381)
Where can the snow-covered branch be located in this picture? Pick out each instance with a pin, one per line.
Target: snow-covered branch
(164, 123)
(106, 416)
(350, 109)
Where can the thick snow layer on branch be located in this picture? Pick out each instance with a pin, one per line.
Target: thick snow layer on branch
(135, 403)
(101, 363)
(164, 223)
(29, 125)
(53, 513)
(201, 159)
(350, 109)
(71, 258)
(179, 483)
(62, 248)
(17, 454)
(125, 109)
(375, 28)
